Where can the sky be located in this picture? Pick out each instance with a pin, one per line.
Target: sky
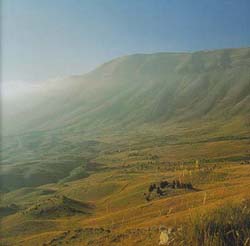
(48, 39)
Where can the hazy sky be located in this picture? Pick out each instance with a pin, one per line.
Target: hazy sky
(44, 38)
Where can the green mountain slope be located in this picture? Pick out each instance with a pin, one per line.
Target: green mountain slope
(142, 89)
(178, 96)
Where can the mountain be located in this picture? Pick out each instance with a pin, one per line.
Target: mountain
(169, 96)
(143, 142)
(139, 89)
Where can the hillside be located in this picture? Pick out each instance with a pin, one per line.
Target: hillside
(139, 89)
(82, 158)
(52, 132)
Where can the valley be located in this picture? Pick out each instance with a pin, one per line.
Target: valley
(78, 156)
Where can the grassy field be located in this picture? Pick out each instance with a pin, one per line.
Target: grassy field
(109, 206)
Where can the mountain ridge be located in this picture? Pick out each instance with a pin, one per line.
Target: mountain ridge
(160, 78)
(135, 102)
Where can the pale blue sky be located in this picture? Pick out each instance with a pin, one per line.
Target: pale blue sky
(46, 39)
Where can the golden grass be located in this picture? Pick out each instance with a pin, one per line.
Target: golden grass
(121, 215)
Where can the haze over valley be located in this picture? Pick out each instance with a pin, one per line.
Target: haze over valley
(90, 145)
(125, 123)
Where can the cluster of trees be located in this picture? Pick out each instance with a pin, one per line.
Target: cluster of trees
(176, 184)
(179, 185)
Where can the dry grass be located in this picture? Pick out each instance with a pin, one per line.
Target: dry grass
(122, 216)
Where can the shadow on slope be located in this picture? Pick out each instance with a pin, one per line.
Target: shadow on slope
(58, 206)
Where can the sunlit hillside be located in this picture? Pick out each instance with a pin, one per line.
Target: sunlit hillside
(142, 142)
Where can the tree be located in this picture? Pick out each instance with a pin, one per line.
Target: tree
(159, 191)
(163, 184)
(152, 187)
